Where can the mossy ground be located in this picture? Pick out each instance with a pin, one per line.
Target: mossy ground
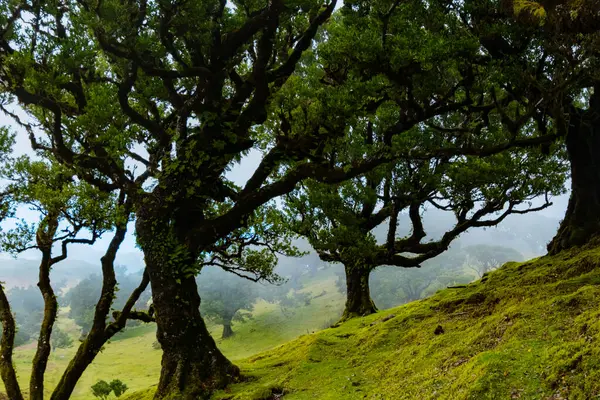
(529, 330)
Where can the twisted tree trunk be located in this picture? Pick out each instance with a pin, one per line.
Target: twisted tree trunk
(582, 219)
(7, 370)
(358, 294)
(40, 360)
(227, 331)
(192, 365)
(44, 239)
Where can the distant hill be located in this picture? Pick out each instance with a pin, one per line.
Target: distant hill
(24, 272)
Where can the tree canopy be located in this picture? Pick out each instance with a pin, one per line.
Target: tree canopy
(382, 108)
(225, 298)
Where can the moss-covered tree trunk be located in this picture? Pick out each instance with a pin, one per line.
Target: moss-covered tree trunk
(7, 341)
(44, 239)
(582, 219)
(227, 331)
(192, 365)
(358, 294)
(40, 360)
(84, 356)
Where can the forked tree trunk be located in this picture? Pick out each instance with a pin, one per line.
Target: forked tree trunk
(358, 294)
(97, 336)
(40, 360)
(44, 239)
(582, 219)
(192, 365)
(227, 331)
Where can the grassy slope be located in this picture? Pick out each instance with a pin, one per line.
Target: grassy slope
(529, 330)
(130, 356)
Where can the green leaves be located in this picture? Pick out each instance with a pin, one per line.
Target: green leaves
(103, 389)
(52, 191)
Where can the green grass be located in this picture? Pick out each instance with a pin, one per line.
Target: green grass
(529, 330)
(131, 358)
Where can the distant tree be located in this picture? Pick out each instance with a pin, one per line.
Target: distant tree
(81, 300)
(28, 307)
(225, 298)
(485, 258)
(118, 387)
(392, 286)
(292, 299)
(101, 389)
(60, 339)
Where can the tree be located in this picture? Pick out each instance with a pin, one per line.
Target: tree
(71, 212)
(60, 339)
(225, 298)
(134, 99)
(549, 51)
(118, 387)
(7, 321)
(49, 190)
(101, 389)
(436, 100)
(486, 258)
(479, 193)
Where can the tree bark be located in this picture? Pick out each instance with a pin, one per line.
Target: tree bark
(358, 295)
(40, 360)
(582, 219)
(7, 370)
(192, 365)
(98, 334)
(44, 239)
(227, 331)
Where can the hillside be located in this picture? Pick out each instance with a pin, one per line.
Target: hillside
(529, 330)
